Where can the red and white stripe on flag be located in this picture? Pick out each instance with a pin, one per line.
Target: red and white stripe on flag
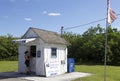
(111, 16)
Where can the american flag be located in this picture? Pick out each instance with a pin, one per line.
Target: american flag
(111, 14)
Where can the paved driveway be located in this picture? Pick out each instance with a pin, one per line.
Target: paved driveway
(14, 76)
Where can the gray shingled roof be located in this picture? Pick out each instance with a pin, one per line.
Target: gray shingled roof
(49, 37)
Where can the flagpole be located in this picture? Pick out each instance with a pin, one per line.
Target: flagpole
(106, 31)
(105, 57)
(111, 16)
(106, 37)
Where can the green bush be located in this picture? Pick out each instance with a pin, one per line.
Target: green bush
(90, 46)
(8, 50)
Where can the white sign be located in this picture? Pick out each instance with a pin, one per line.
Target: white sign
(52, 69)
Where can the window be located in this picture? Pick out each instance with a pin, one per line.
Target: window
(53, 52)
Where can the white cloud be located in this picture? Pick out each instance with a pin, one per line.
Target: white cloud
(51, 13)
(5, 17)
(27, 0)
(28, 19)
(12, 0)
(54, 14)
(15, 0)
(44, 12)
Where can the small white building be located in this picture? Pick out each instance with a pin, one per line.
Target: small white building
(48, 51)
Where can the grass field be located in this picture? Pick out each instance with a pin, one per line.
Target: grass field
(6, 66)
(112, 72)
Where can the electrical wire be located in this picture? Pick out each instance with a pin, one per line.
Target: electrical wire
(86, 24)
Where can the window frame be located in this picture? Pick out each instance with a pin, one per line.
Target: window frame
(53, 52)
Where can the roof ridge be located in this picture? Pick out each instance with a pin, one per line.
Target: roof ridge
(43, 30)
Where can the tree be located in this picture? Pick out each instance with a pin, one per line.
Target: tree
(7, 49)
(90, 46)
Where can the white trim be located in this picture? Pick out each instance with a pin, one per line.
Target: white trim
(23, 41)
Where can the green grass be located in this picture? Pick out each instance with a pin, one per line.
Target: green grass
(8, 66)
(112, 72)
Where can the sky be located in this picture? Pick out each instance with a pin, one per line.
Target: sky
(16, 16)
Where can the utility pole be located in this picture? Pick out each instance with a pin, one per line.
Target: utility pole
(62, 30)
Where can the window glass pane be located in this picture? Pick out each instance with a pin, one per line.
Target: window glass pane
(53, 52)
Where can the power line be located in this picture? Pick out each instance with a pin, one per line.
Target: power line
(86, 24)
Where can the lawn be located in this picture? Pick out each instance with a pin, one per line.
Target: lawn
(112, 72)
(7, 66)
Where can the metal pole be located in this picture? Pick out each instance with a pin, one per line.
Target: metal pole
(106, 39)
(106, 31)
(62, 31)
